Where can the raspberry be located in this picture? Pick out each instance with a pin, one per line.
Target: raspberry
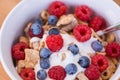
(100, 61)
(97, 23)
(39, 35)
(92, 72)
(82, 33)
(57, 73)
(83, 12)
(27, 74)
(18, 51)
(113, 50)
(54, 42)
(57, 8)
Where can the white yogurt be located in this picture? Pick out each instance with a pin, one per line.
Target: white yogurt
(56, 57)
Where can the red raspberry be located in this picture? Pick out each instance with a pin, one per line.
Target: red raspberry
(18, 51)
(113, 50)
(54, 42)
(57, 8)
(82, 33)
(92, 72)
(39, 35)
(83, 12)
(97, 23)
(100, 61)
(27, 74)
(57, 73)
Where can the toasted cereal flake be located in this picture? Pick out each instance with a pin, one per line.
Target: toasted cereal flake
(42, 45)
(20, 65)
(110, 37)
(31, 56)
(44, 15)
(109, 71)
(65, 19)
(24, 39)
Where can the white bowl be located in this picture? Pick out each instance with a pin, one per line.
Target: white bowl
(26, 10)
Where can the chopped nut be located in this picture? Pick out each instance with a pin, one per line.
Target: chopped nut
(63, 56)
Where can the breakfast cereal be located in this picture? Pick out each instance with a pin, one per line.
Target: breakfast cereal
(65, 46)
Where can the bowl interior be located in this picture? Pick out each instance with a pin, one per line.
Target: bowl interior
(28, 9)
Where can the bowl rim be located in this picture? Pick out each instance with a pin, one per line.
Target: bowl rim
(9, 73)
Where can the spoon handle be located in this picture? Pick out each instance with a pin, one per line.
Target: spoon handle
(109, 29)
(112, 28)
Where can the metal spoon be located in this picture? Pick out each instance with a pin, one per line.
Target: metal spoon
(109, 29)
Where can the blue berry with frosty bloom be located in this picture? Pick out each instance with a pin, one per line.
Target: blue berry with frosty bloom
(52, 20)
(45, 53)
(44, 63)
(41, 75)
(36, 27)
(71, 69)
(74, 49)
(54, 31)
(84, 61)
(39, 21)
(97, 46)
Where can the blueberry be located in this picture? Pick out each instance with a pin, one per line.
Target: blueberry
(41, 75)
(97, 46)
(45, 53)
(54, 31)
(74, 49)
(44, 63)
(71, 69)
(52, 20)
(39, 21)
(36, 28)
(84, 61)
